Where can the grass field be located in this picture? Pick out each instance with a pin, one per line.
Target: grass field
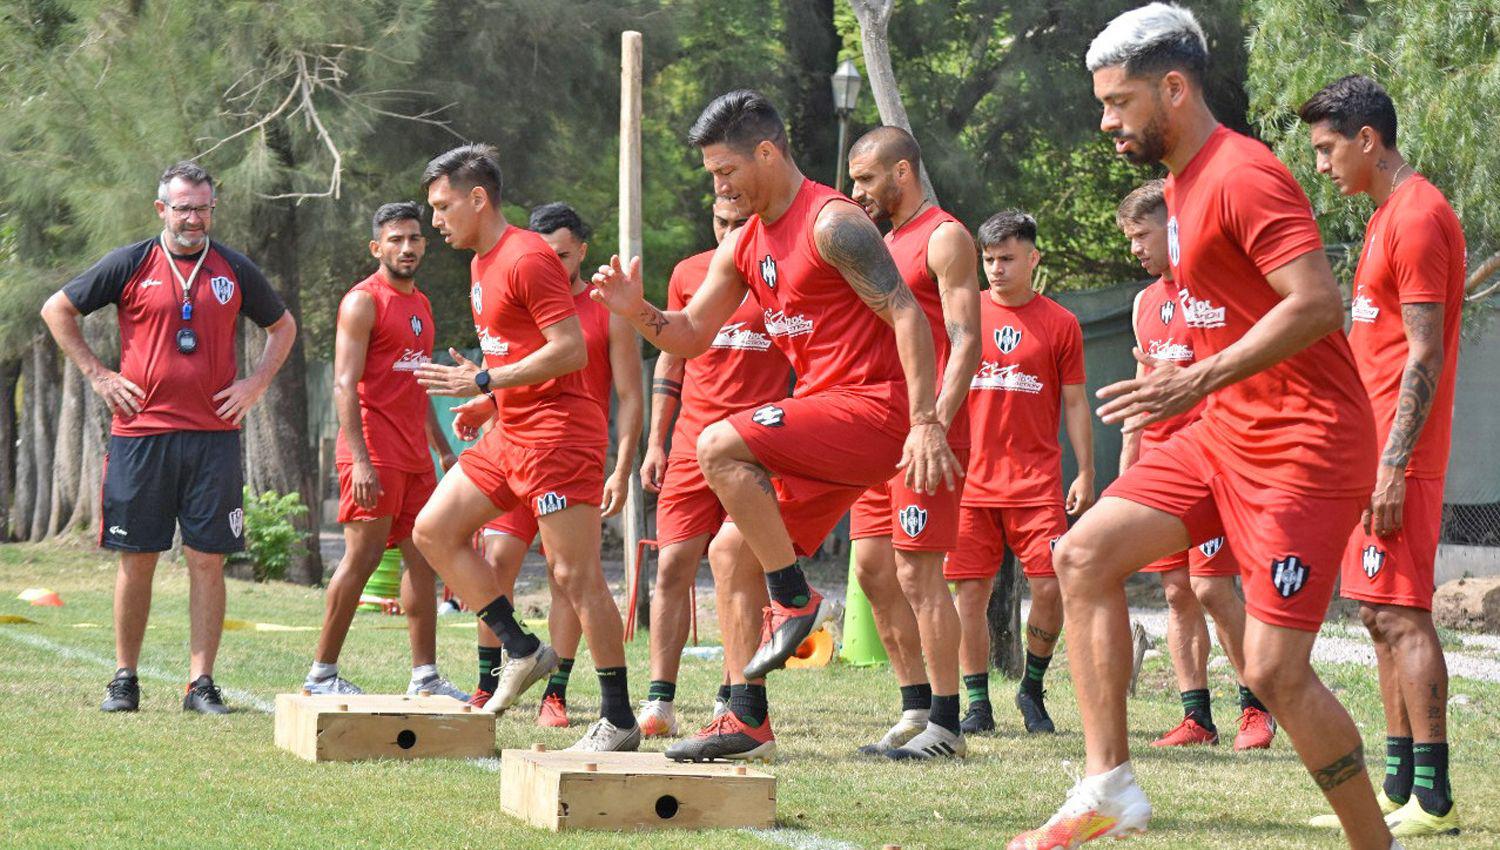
(73, 777)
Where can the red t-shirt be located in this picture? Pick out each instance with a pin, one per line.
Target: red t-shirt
(1414, 254)
(1304, 424)
(830, 336)
(1161, 332)
(392, 405)
(1027, 354)
(519, 288)
(908, 245)
(598, 376)
(740, 370)
(179, 387)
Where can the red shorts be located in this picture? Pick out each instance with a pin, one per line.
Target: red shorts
(519, 522)
(687, 506)
(402, 495)
(1287, 544)
(1210, 559)
(915, 522)
(1398, 570)
(546, 480)
(825, 451)
(1029, 530)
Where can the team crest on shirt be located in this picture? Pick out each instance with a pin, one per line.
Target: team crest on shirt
(768, 271)
(550, 503)
(1372, 559)
(1174, 247)
(993, 376)
(223, 290)
(770, 416)
(416, 324)
(1288, 575)
(1210, 548)
(476, 297)
(237, 521)
(1007, 338)
(913, 519)
(1168, 310)
(1200, 312)
(1362, 309)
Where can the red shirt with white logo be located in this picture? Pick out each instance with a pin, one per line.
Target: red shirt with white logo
(392, 405)
(1161, 332)
(740, 370)
(1413, 254)
(831, 337)
(1027, 354)
(179, 387)
(1304, 424)
(519, 288)
(908, 244)
(598, 375)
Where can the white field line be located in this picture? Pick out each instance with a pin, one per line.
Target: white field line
(240, 697)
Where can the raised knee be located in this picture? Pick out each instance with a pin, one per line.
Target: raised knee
(1070, 556)
(714, 444)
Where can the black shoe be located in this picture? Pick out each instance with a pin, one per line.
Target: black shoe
(123, 693)
(980, 718)
(1034, 712)
(204, 697)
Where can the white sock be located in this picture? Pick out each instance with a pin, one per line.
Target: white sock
(1121, 776)
(423, 673)
(322, 671)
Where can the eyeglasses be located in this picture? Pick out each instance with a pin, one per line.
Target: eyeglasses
(184, 210)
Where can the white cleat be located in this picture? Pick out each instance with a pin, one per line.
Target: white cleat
(657, 719)
(934, 742)
(519, 674)
(911, 724)
(331, 685)
(606, 737)
(1109, 805)
(437, 686)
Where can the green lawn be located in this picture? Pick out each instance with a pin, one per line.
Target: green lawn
(73, 777)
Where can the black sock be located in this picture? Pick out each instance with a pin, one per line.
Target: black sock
(1430, 778)
(1196, 704)
(978, 686)
(916, 697)
(557, 683)
(1250, 700)
(788, 587)
(723, 694)
(614, 697)
(748, 702)
(1398, 773)
(1036, 668)
(945, 712)
(501, 618)
(489, 666)
(660, 689)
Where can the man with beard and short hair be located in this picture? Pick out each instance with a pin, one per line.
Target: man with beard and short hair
(1281, 463)
(386, 425)
(173, 460)
(901, 535)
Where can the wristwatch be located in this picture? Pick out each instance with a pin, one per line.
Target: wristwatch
(482, 381)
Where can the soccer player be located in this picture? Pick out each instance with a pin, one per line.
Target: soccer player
(386, 424)
(613, 360)
(174, 448)
(546, 451)
(901, 535)
(1030, 375)
(1408, 297)
(1281, 462)
(740, 370)
(1202, 578)
(861, 346)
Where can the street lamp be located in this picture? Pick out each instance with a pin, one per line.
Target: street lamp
(846, 82)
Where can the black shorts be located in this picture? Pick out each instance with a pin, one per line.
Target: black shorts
(190, 478)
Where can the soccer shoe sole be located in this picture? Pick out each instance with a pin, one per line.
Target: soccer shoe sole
(765, 754)
(784, 642)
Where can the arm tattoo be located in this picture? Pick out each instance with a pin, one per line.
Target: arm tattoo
(653, 318)
(1418, 386)
(662, 386)
(956, 331)
(854, 247)
(1333, 775)
(1042, 634)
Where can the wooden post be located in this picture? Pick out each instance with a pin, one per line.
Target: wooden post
(1004, 615)
(633, 522)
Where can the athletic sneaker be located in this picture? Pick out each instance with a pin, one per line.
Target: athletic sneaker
(1411, 821)
(1034, 712)
(980, 718)
(332, 685)
(1257, 728)
(1110, 805)
(553, 712)
(935, 742)
(438, 687)
(657, 719)
(911, 724)
(606, 737)
(727, 737)
(1186, 734)
(783, 631)
(1331, 820)
(123, 693)
(204, 697)
(518, 674)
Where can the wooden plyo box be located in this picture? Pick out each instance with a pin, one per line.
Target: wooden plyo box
(370, 726)
(568, 790)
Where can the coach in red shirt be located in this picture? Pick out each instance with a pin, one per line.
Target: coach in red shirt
(174, 447)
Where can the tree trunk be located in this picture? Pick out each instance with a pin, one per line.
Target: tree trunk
(43, 392)
(10, 379)
(812, 46)
(67, 450)
(100, 331)
(1005, 619)
(874, 17)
